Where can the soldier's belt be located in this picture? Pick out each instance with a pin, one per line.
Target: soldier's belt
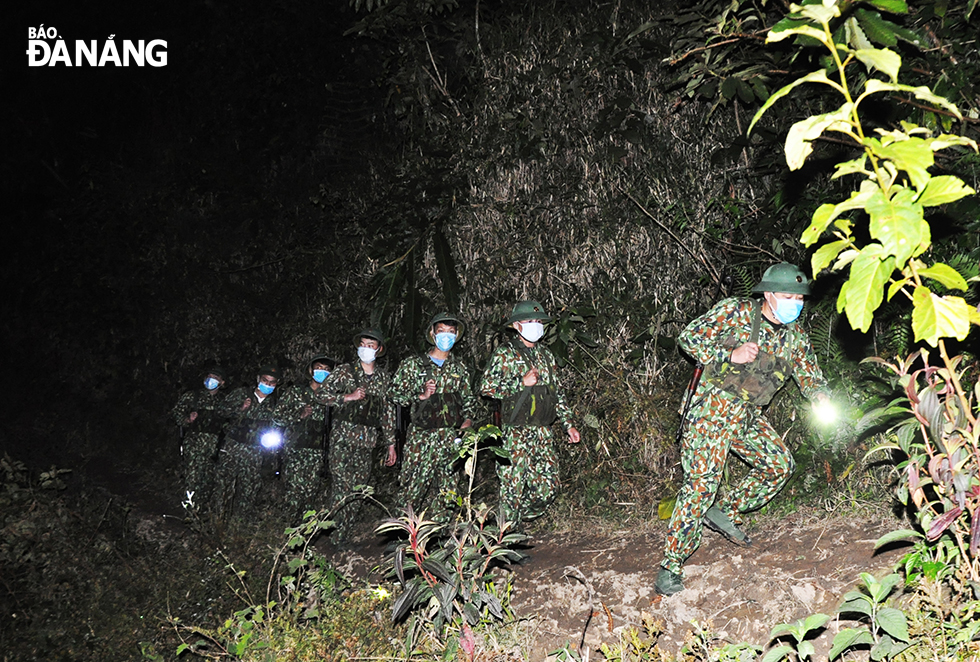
(535, 406)
(439, 411)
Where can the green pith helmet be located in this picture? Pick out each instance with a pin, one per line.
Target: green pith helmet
(783, 277)
(373, 334)
(217, 372)
(331, 363)
(271, 370)
(527, 310)
(448, 319)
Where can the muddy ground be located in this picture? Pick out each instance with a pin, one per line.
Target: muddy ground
(582, 589)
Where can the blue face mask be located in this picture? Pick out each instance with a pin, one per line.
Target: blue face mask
(211, 383)
(320, 375)
(787, 310)
(445, 341)
(266, 389)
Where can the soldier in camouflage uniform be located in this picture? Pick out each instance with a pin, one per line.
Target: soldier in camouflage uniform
(749, 349)
(522, 374)
(437, 387)
(253, 412)
(362, 413)
(198, 413)
(305, 442)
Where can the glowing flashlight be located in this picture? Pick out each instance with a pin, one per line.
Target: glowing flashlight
(271, 439)
(825, 411)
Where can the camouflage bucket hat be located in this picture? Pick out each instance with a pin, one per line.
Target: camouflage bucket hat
(527, 310)
(373, 334)
(330, 362)
(271, 370)
(783, 277)
(445, 318)
(217, 371)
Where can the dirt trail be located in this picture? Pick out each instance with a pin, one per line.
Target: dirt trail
(794, 568)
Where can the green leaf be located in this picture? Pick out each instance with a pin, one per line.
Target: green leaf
(804, 132)
(880, 59)
(878, 29)
(729, 87)
(828, 213)
(945, 275)
(826, 254)
(935, 317)
(777, 653)
(862, 293)
(942, 190)
(895, 536)
(857, 605)
(890, 6)
(815, 622)
(856, 167)
(781, 31)
(805, 649)
(847, 638)
(819, 76)
(893, 622)
(898, 224)
(923, 93)
(855, 35)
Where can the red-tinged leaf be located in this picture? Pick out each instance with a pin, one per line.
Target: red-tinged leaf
(467, 641)
(942, 523)
(975, 533)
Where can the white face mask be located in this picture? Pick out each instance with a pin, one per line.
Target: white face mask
(367, 354)
(531, 331)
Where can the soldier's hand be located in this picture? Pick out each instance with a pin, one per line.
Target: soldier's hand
(573, 436)
(531, 378)
(392, 456)
(746, 353)
(246, 404)
(192, 417)
(428, 389)
(358, 394)
(305, 411)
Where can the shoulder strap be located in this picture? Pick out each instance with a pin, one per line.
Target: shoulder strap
(756, 320)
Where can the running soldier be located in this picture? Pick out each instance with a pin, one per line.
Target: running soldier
(749, 349)
(437, 387)
(199, 417)
(306, 440)
(255, 425)
(522, 374)
(362, 414)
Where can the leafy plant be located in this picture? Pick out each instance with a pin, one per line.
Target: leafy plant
(887, 630)
(446, 570)
(800, 648)
(941, 441)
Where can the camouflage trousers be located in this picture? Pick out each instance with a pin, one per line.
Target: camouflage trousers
(721, 424)
(350, 465)
(301, 472)
(198, 455)
(428, 481)
(529, 483)
(239, 478)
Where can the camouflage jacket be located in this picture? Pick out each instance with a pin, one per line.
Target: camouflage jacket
(506, 368)
(297, 396)
(451, 377)
(711, 338)
(346, 378)
(207, 404)
(258, 414)
(305, 432)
